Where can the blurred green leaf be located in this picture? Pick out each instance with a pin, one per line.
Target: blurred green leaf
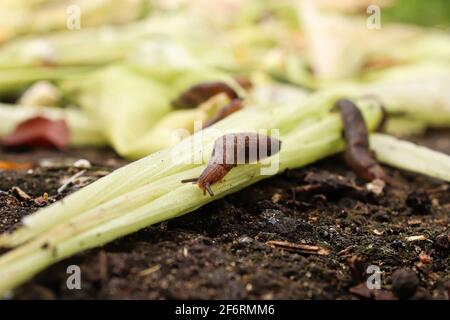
(427, 13)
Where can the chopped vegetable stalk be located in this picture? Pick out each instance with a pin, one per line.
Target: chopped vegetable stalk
(124, 104)
(161, 163)
(409, 156)
(338, 45)
(79, 227)
(152, 205)
(14, 80)
(132, 110)
(418, 92)
(26, 16)
(402, 126)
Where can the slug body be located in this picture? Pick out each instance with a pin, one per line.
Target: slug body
(201, 92)
(233, 149)
(357, 153)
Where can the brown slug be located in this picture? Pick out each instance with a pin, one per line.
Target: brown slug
(358, 155)
(230, 150)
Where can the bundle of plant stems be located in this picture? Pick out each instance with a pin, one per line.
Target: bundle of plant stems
(122, 80)
(149, 191)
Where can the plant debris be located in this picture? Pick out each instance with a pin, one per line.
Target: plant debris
(8, 165)
(20, 194)
(71, 180)
(38, 132)
(298, 248)
(442, 241)
(149, 271)
(420, 237)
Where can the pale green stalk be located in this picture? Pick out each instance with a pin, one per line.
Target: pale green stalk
(24, 18)
(158, 165)
(107, 223)
(184, 199)
(102, 45)
(124, 104)
(402, 126)
(13, 80)
(148, 192)
(303, 145)
(418, 92)
(409, 156)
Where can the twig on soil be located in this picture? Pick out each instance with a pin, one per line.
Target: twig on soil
(19, 193)
(346, 251)
(414, 222)
(416, 238)
(71, 180)
(300, 248)
(149, 271)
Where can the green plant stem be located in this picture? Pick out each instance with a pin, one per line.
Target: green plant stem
(409, 156)
(96, 227)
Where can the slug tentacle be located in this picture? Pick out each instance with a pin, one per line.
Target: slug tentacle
(208, 188)
(194, 180)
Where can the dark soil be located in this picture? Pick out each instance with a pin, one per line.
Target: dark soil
(221, 252)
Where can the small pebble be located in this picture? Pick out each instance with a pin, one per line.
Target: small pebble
(421, 294)
(245, 240)
(419, 202)
(397, 244)
(82, 164)
(442, 241)
(404, 283)
(381, 217)
(20, 194)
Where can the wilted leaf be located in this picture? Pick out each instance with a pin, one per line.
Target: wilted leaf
(39, 132)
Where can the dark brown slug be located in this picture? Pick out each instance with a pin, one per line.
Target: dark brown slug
(201, 92)
(358, 155)
(230, 150)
